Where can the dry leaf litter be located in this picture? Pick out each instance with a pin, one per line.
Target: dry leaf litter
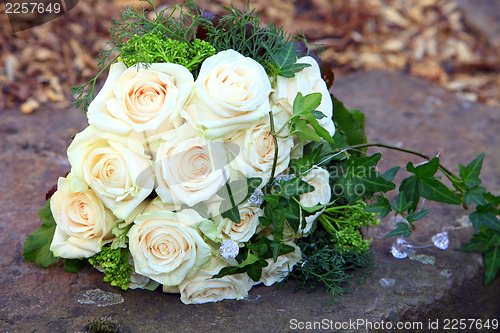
(426, 38)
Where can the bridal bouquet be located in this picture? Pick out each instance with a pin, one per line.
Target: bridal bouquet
(216, 159)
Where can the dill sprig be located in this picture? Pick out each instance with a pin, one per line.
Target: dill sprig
(140, 37)
(243, 31)
(178, 22)
(325, 265)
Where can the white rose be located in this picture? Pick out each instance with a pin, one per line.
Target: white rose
(141, 99)
(201, 288)
(307, 81)
(84, 225)
(256, 144)
(138, 281)
(166, 250)
(190, 169)
(114, 166)
(221, 229)
(231, 93)
(277, 271)
(318, 178)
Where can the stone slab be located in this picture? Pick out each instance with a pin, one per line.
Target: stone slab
(400, 110)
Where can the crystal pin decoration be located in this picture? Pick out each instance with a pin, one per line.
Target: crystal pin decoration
(401, 248)
(256, 198)
(441, 240)
(229, 249)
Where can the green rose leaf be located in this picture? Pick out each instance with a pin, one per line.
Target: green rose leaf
(37, 246)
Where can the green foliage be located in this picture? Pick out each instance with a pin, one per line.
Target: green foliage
(182, 34)
(303, 107)
(115, 265)
(486, 241)
(244, 32)
(284, 62)
(102, 325)
(424, 184)
(283, 212)
(37, 246)
(74, 265)
(325, 265)
(154, 47)
(357, 179)
(349, 126)
(233, 194)
(344, 223)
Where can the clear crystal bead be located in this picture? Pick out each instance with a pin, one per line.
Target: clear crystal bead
(284, 178)
(256, 198)
(229, 249)
(401, 248)
(441, 240)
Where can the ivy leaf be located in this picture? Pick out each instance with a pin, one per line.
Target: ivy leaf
(304, 132)
(285, 61)
(402, 229)
(426, 170)
(470, 173)
(294, 186)
(318, 114)
(280, 248)
(37, 245)
(74, 265)
(359, 178)
(409, 186)
(412, 217)
(390, 174)
(303, 106)
(433, 189)
(233, 194)
(252, 265)
(401, 205)
(491, 263)
(349, 125)
(254, 271)
(492, 199)
(475, 195)
(486, 218)
(382, 207)
(477, 241)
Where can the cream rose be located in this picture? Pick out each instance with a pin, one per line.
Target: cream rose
(166, 250)
(141, 99)
(307, 81)
(190, 169)
(84, 225)
(138, 281)
(319, 178)
(221, 229)
(277, 271)
(231, 93)
(116, 167)
(256, 144)
(201, 288)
